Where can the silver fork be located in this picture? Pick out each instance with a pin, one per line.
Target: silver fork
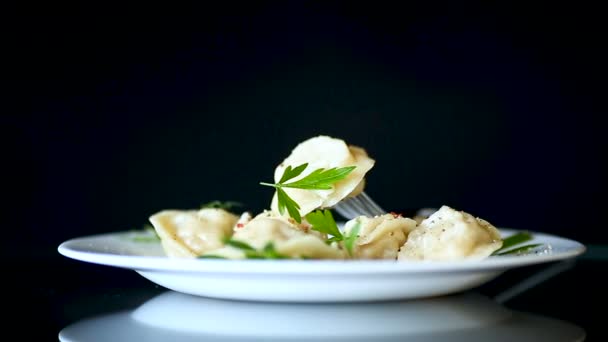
(361, 204)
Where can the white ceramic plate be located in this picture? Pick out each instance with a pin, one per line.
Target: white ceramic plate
(307, 280)
(177, 317)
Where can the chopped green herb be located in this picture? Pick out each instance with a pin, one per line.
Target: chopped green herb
(271, 252)
(323, 221)
(349, 241)
(239, 245)
(292, 173)
(516, 239)
(520, 250)
(268, 252)
(145, 239)
(509, 245)
(285, 202)
(319, 179)
(211, 256)
(513, 240)
(151, 235)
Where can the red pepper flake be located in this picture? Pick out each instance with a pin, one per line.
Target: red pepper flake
(240, 225)
(395, 215)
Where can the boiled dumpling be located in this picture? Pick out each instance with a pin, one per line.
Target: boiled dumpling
(380, 237)
(304, 226)
(190, 233)
(289, 239)
(451, 235)
(325, 152)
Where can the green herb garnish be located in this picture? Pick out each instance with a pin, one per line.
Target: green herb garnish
(211, 256)
(227, 205)
(285, 202)
(519, 250)
(319, 179)
(349, 242)
(151, 236)
(268, 252)
(239, 244)
(514, 240)
(323, 221)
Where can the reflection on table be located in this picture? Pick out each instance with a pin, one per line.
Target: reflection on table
(173, 316)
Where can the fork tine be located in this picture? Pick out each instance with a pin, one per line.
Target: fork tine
(346, 212)
(372, 204)
(361, 204)
(365, 206)
(358, 207)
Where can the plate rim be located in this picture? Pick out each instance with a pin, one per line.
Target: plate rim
(313, 267)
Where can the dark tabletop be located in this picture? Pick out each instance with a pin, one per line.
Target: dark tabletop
(61, 293)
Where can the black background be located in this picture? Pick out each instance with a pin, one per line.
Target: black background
(120, 112)
(115, 112)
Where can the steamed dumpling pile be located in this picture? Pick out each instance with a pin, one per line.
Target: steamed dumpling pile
(451, 235)
(325, 152)
(446, 234)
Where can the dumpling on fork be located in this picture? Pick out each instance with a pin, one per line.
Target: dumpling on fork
(325, 152)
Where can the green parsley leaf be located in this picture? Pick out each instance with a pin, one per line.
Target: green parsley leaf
(320, 179)
(516, 239)
(145, 239)
(334, 239)
(323, 221)
(519, 250)
(292, 173)
(286, 202)
(239, 244)
(349, 241)
(150, 234)
(513, 240)
(211, 256)
(268, 252)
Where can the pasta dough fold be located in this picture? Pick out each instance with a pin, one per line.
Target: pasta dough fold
(451, 235)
